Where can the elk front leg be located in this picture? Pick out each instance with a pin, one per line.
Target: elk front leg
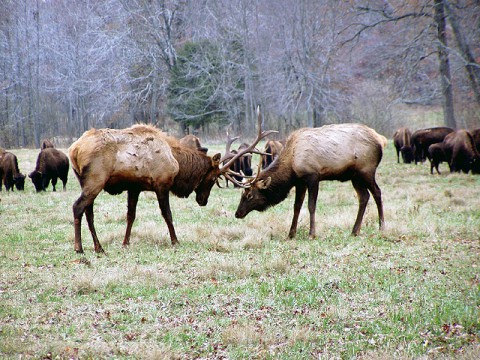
(131, 214)
(300, 191)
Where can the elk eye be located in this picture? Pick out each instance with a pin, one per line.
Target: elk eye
(249, 196)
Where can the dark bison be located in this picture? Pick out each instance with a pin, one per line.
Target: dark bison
(436, 156)
(245, 161)
(46, 143)
(272, 149)
(402, 140)
(332, 152)
(461, 152)
(476, 138)
(242, 166)
(423, 138)
(51, 165)
(193, 142)
(10, 175)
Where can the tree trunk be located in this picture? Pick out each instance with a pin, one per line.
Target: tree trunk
(471, 66)
(444, 66)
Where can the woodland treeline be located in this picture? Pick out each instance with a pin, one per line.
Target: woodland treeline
(201, 65)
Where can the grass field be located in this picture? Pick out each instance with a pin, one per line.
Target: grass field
(239, 289)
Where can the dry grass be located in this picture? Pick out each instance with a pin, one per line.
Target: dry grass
(239, 288)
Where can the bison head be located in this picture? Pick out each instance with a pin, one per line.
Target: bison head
(37, 180)
(475, 165)
(19, 181)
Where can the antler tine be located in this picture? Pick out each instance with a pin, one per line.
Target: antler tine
(235, 181)
(259, 168)
(260, 135)
(230, 140)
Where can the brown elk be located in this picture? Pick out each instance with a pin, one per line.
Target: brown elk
(140, 158)
(333, 152)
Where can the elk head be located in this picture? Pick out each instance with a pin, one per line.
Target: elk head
(202, 191)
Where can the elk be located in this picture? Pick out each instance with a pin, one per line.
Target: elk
(136, 159)
(333, 152)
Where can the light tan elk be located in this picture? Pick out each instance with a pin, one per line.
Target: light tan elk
(333, 152)
(140, 158)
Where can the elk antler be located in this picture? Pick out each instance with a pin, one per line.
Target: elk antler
(250, 149)
(230, 140)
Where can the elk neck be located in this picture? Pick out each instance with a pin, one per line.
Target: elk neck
(193, 165)
(283, 179)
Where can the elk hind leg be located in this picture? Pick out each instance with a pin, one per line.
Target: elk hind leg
(131, 214)
(164, 203)
(363, 196)
(377, 196)
(79, 207)
(90, 221)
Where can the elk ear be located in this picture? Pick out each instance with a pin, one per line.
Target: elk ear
(216, 159)
(263, 184)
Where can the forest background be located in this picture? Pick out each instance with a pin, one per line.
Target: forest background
(200, 66)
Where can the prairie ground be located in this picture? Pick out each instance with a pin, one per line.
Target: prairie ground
(239, 289)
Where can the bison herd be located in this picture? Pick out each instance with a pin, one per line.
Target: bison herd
(460, 149)
(143, 158)
(52, 164)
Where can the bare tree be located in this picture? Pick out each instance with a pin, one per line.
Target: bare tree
(425, 32)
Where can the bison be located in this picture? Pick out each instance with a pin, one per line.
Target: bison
(193, 142)
(476, 138)
(10, 174)
(272, 150)
(245, 161)
(51, 165)
(423, 138)
(46, 143)
(332, 152)
(436, 156)
(402, 142)
(136, 159)
(461, 152)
